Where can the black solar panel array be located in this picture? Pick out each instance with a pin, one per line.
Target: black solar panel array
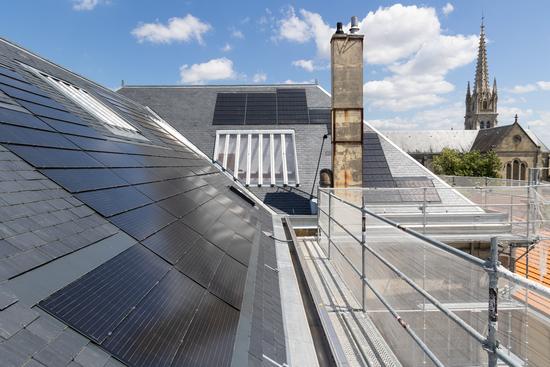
(181, 277)
(284, 106)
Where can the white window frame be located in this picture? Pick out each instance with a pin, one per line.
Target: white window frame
(247, 134)
(110, 119)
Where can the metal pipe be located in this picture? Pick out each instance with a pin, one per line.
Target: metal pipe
(491, 269)
(329, 225)
(406, 326)
(363, 245)
(423, 211)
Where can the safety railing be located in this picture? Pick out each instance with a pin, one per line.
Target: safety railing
(445, 300)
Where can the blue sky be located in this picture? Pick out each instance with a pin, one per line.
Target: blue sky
(418, 55)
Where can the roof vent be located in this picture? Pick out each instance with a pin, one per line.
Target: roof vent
(354, 25)
(339, 28)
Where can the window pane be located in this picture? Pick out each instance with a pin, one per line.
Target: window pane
(278, 153)
(221, 147)
(290, 160)
(266, 160)
(231, 152)
(241, 175)
(254, 159)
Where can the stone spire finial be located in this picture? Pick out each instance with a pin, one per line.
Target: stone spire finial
(516, 118)
(468, 94)
(482, 71)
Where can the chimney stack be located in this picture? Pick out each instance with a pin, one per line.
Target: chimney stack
(347, 106)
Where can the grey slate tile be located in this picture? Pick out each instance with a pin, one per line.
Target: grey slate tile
(11, 357)
(92, 356)
(6, 249)
(46, 327)
(15, 318)
(62, 350)
(33, 363)
(26, 241)
(26, 343)
(7, 298)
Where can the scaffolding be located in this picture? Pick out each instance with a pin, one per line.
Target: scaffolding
(432, 302)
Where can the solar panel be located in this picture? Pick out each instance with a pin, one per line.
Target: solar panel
(204, 216)
(179, 205)
(30, 97)
(84, 179)
(70, 128)
(160, 190)
(96, 303)
(12, 117)
(417, 195)
(172, 242)
(167, 313)
(201, 262)
(320, 116)
(229, 109)
(54, 158)
(239, 248)
(11, 74)
(211, 336)
(228, 283)
(51, 112)
(115, 160)
(376, 171)
(220, 234)
(19, 83)
(261, 109)
(292, 106)
(12, 134)
(143, 222)
(113, 201)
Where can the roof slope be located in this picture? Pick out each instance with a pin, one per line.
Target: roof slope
(488, 139)
(168, 243)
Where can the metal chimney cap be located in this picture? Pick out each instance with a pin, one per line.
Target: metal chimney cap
(339, 28)
(354, 25)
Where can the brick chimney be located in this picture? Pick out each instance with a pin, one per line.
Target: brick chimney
(347, 106)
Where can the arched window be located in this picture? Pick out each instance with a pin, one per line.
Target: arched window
(523, 171)
(509, 170)
(484, 105)
(482, 125)
(515, 170)
(487, 124)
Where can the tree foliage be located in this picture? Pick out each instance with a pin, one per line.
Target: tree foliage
(476, 164)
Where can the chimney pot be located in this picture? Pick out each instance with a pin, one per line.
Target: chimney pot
(339, 28)
(354, 25)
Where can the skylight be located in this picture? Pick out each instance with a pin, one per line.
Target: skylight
(258, 157)
(92, 105)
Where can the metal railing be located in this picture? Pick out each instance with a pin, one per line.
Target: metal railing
(341, 243)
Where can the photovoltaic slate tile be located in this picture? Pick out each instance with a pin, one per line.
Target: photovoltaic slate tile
(230, 109)
(152, 334)
(292, 106)
(201, 262)
(239, 248)
(20, 135)
(77, 180)
(210, 338)
(172, 242)
(228, 283)
(54, 158)
(96, 303)
(261, 109)
(142, 222)
(22, 119)
(50, 112)
(113, 201)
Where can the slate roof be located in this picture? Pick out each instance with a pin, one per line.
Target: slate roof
(78, 201)
(488, 139)
(432, 141)
(191, 110)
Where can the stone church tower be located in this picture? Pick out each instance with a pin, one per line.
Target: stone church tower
(481, 105)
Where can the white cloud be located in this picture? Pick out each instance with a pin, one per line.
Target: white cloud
(307, 65)
(259, 77)
(183, 29)
(290, 81)
(215, 69)
(520, 89)
(305, 27)
(227, 47)
(86, 5)
(448, 9)
(406, 40)
(235, 33)
(543, 85)
(443, 118)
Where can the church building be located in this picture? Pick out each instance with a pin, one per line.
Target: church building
(517, 147)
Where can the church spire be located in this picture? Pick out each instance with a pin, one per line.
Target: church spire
(482, 71)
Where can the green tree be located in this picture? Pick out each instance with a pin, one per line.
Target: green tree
(474, 163)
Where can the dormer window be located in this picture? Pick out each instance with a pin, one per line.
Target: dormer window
(110, 119)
